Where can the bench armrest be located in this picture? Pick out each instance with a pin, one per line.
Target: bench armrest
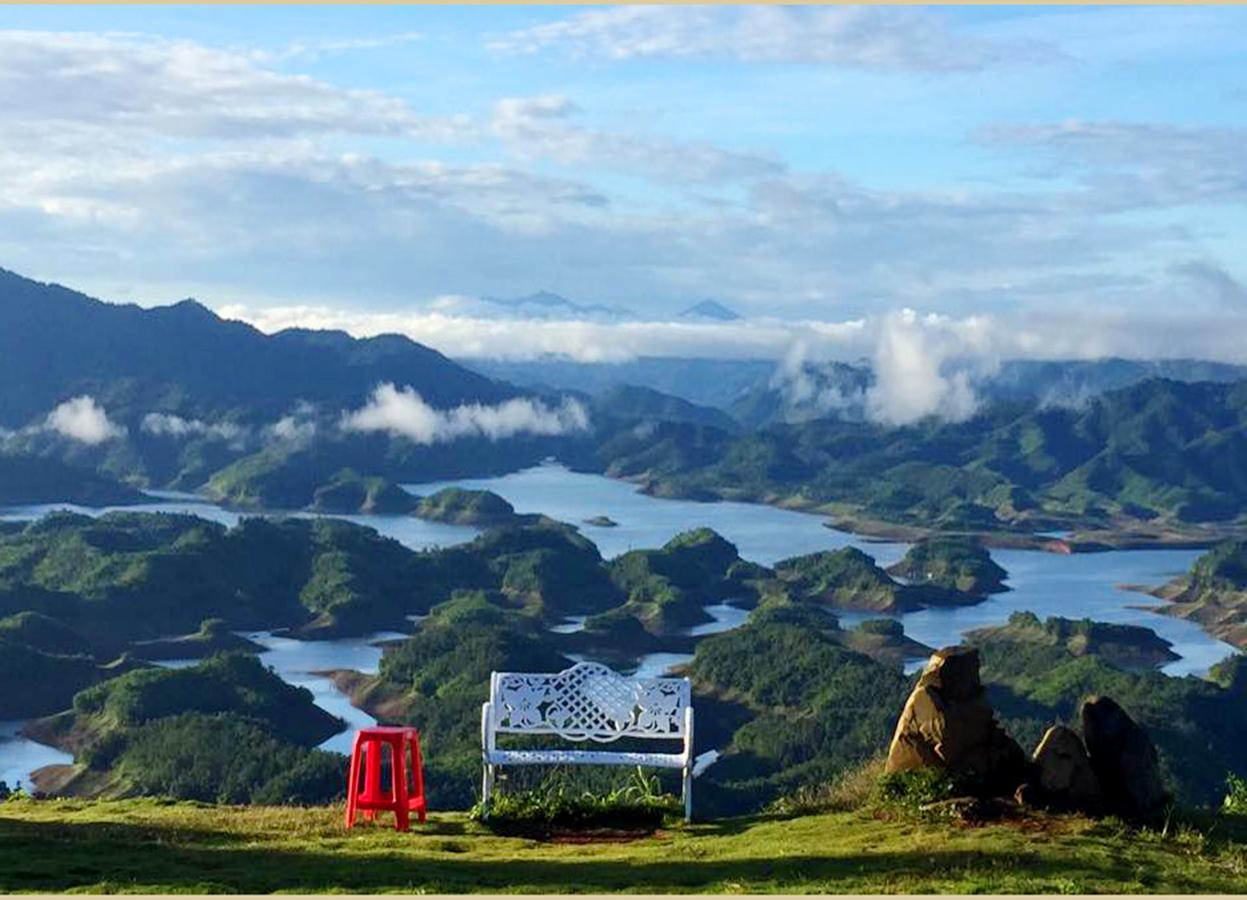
(487, 727)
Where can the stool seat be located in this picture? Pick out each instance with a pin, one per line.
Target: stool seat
(365, 793)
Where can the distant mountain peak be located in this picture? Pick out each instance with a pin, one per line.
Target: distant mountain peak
(191, 307)
(710, 309)
(547, 304)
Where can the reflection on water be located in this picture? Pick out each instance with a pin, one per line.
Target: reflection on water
(652, 665)
(297, 661)
(19, 756)
(570, 625)
(1082, 585)
(726, 617)
(762, 534)
(418, 534)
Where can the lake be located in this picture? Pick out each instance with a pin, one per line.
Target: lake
(1047, 584)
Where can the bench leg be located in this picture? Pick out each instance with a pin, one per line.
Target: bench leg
(688, 793)
(487, 790)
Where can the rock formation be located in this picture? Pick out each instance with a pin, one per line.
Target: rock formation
(948, 723)
(1063, 777)
(1123, 758)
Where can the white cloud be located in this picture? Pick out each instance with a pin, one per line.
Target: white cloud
(540, 127)
(82, 419)
(122, 87)
(168, 425)
(882, 39)
(296, 429)
(1127, 165)
(585, 341)
(401, 412)
(924, 366)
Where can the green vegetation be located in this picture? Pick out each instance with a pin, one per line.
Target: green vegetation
(558, 805)
(26, 478)
(1035, 679)
(849, 579)
(629, 402)
(1156, 449)
(36, 682)
(668, 588)
(1124, 646)
(129, 576)
(350, 492)
(1235, 802)
(1213, 593)
(212, 637)
(225, 730)
(465, 507)
(153, 846)
(438, 679)
(956, 562)
(788, 706)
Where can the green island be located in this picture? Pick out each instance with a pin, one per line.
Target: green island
(350, 492)
(1213, 593)
(459, 506)
(956, 562)
(850, 579)
(225, 730)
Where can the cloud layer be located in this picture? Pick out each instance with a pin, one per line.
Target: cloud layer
(401, 412)
(853, 37)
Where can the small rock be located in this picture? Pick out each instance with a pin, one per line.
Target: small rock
(1123, 758)
(1065, 778)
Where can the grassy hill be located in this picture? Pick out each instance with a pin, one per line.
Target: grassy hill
(154, 846)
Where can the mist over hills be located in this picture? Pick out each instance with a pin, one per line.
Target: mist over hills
(56, 343)
(97, 398)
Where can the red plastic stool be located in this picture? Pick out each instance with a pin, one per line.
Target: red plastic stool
(368, 796)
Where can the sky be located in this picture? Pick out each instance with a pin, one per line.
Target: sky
(1016, 181)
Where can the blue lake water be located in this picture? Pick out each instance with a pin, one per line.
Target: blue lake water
(1076, 586)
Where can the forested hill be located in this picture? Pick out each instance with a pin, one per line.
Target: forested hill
(1157, 449)
(56, 343)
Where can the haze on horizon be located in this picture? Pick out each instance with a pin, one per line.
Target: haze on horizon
(939, 183)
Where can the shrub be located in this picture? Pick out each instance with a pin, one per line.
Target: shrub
(1235, 802)
(913, 790)
(557, 804)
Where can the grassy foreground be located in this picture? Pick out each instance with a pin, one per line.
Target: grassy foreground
(150, 845)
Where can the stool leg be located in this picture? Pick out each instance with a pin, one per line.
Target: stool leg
(402, 817)
(372, 777)
(352, 783)
(417, 764)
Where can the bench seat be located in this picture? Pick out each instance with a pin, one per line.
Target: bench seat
(584, 758)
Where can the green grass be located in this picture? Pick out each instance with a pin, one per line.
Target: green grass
(155, 846)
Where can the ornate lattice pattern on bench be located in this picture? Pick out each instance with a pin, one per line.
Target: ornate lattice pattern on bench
(588, 702)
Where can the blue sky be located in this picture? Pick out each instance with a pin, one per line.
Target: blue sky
(331, 164)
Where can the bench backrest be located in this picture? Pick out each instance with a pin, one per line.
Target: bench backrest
(589, 702)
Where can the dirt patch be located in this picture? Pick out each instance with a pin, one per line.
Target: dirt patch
(568, 834)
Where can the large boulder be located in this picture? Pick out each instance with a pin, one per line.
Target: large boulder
(1123, 758)
(948, 724)
(1063, 774)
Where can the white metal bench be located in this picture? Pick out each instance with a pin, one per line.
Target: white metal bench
(587, 702)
